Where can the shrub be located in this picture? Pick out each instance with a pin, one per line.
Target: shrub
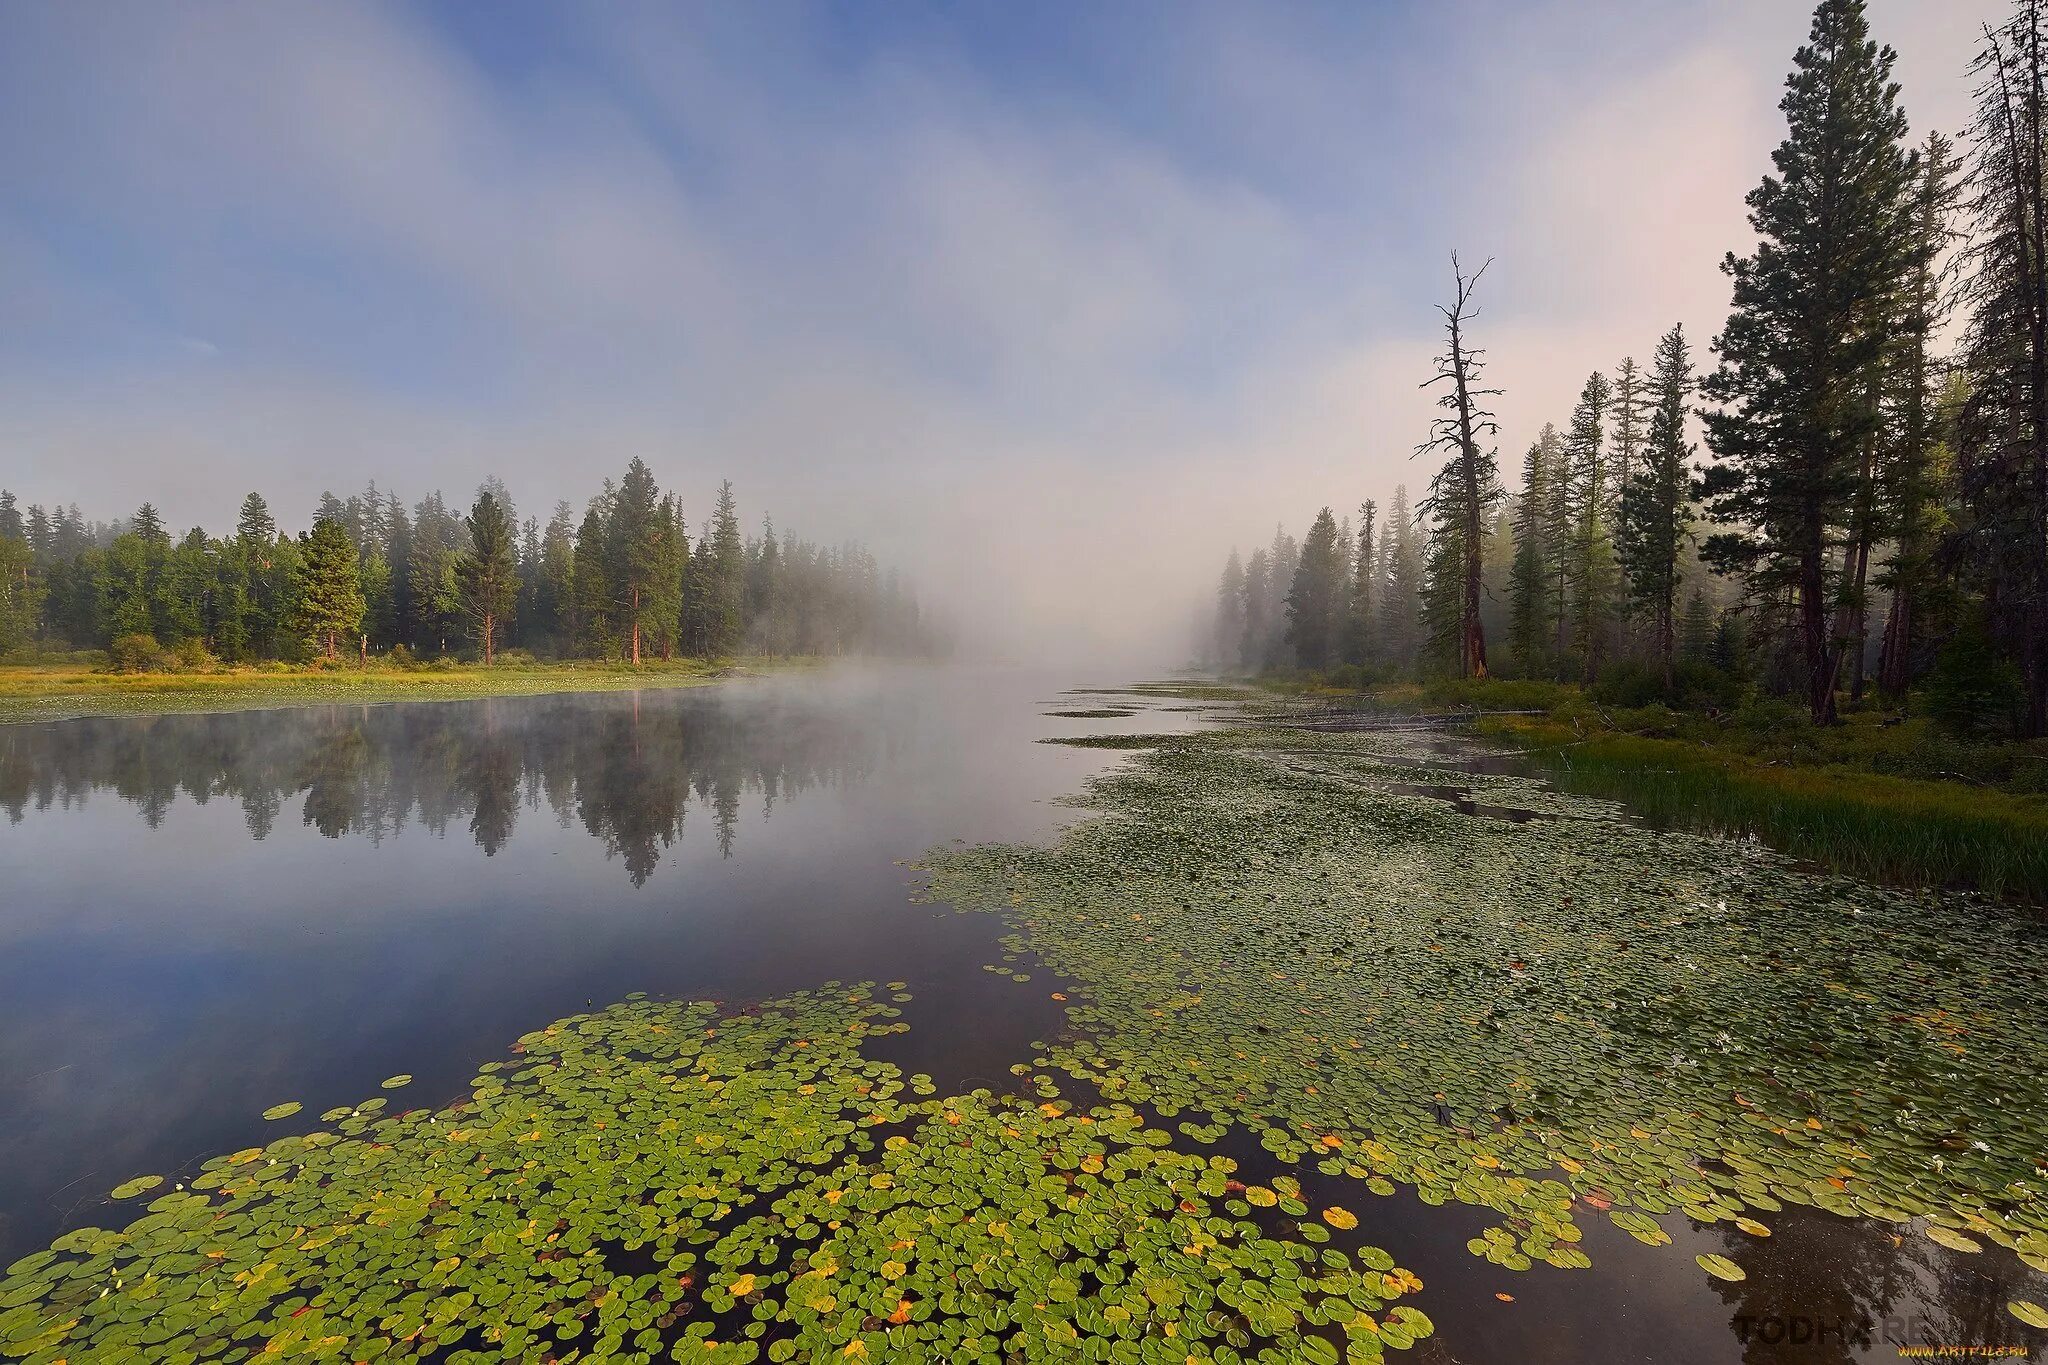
(1773, 718)
(1653, 719)
(1972, 691)
(1629, 683)
(521, 657)
(193, 654)
(136, 653)
(400, 657)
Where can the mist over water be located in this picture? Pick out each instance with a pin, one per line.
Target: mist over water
(209, 914)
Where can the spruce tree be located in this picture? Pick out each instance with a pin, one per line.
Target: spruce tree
(1656, 501)
(1812, 317)
(1227, 634)
(725, 593)
(1532, 604)
(487, 573)
(1258, 575)
(638, 554)
(592, 608)
(554, 593)
(329, 603)
(1362, 648)
(1401, 621)
(1315, 599)
(1589, 554)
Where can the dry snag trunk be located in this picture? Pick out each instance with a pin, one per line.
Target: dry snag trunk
(1462, 491)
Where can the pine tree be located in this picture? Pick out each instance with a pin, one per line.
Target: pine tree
(1227, 636)
(1803, 347)
(638, 554)
(1590, 553)
(1911, 478)
(435, 596)
(486, 573)
(1316, 596)
(1401, 621)
(1364, 594)
(149, 526)
(555, 593)
(725, 590)
(330, 596)
(1258, 574)
(1696, 630)
(21, 594)
(2001, 543)
(12, 527)
(1533, 607)
(1630, 408)
(592, 608)
(1656, 502)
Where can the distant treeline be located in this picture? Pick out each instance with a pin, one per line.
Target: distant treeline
(622, 581)
(1878, 510)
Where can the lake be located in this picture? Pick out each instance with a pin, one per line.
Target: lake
(206, 915)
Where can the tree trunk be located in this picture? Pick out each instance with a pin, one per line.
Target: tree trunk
(2032, 664)
(636, 627)
(1666, 642)
(1894, 664)
(489, 626)
(1472, 634)
(1816, 635)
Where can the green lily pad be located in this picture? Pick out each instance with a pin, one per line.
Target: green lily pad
(1721, 1268)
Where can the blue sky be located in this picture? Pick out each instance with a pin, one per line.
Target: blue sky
(1036, 298)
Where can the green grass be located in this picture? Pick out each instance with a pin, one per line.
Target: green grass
(32, 692)
(1854, 820)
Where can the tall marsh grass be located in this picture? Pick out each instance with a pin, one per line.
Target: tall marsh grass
(1871, 825)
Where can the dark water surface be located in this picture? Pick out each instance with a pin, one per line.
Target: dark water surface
(204, 915)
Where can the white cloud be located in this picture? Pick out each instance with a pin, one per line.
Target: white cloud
(1052, 348)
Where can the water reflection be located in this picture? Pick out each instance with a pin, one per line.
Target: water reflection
(626, 768)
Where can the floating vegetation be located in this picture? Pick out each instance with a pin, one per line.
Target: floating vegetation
(1265, 934)
(1538, 1019)
(658, 1180)
(1099, 713)
(282, 1111)
(1108, 741)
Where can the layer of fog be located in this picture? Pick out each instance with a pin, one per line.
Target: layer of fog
(1050, 352)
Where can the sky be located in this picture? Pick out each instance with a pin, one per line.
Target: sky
(1051, 304)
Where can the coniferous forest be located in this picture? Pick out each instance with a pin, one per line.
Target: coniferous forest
(1841, 498)
(625, 580)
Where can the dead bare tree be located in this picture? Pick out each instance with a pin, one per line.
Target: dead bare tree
(1468, 485)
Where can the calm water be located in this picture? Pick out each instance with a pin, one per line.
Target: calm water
(201, 916)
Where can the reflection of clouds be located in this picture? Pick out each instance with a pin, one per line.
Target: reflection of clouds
(626, 769)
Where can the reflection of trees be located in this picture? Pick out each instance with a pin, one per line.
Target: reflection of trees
(1831, 1290)
(624, 767)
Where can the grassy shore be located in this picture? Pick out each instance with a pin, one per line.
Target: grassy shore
(1878, 796)
(32, 692)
